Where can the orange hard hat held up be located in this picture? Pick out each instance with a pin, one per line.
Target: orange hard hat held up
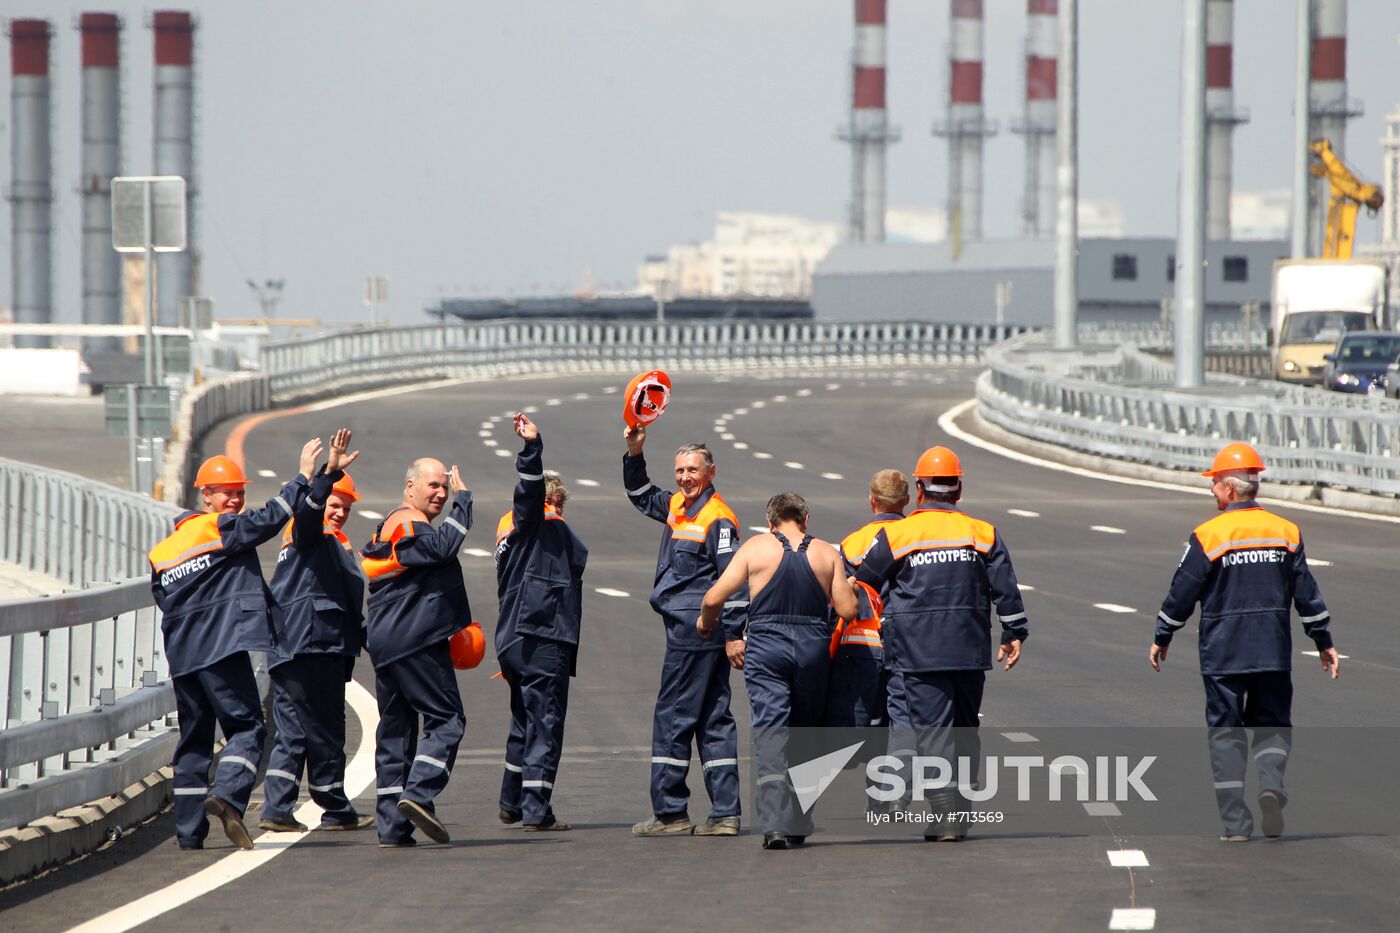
(938, 461)
(219, 470)
(468, 647)
(345, 486)
(645, 398)
(1235, 456)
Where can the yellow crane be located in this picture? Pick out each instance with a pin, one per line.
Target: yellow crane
(1347, 194)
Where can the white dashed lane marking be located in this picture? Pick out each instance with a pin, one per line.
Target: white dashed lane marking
(758, 404)
(475, 552)
(832, 386)
(371, 515)
(803, 393)
(1024, 513)
(741, 411)
(726, 436)
(758, 528)
(793, 465)
(580, 396)
(490, 442)
(502, 452)
(268, 474)
(1107, 529)
(1314, 654)
(586, 482)
(1025, 587)
(832, 476)
(1315, 562)
(740, 445)
(483, 433)
(609, 591)
(1114, 607)
(494, 419)
(1133, 918)
(609, 390)
(780, 398)
(1102, 808)
(761, 455)
(1127, 858)
(553, 402)
(1019, 737)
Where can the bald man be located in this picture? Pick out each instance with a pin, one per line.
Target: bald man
(417, 600)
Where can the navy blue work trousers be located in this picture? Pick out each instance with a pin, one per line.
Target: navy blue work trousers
(1260, 701)
(537, 671)
(693, 706)
(308, 709)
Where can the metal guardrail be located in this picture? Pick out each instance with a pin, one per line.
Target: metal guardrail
(1119, 402)
(83, 692)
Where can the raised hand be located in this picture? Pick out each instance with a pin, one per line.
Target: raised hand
(338, 459)
(310, 453)
(525, 429)
(636, 438)
(454, 481)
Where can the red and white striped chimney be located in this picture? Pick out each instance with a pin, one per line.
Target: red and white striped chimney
(869, 130)
(1328, 106)
(174, 150)
(966, 124)
(31, 170)
(1221, 116)
(1038, 122)
(101, 161)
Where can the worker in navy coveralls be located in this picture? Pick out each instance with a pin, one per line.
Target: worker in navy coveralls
(1245, 567)
(539, 578)
(417, 601)
(215, 608)
(318, 585)
(699, 540)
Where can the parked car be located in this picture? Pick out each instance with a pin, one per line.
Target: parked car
(1360, 361)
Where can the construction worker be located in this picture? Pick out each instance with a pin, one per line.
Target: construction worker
(1245, 567)
(786, 660)
(945, 571)
(318, 586)
(417, 601)
(215, 608)
(856, 691)
(539, 579)
(697, 544)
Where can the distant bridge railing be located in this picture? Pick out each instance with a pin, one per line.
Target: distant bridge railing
(85, 697)
(1119, 402)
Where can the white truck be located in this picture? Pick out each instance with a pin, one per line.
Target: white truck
(1315, 301)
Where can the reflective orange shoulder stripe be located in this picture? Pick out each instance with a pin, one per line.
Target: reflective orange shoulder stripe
(382, 568)
(192, 537)
(855, 544)
(935, 529)
(1246, 529)
(695, 529)
(505, 526)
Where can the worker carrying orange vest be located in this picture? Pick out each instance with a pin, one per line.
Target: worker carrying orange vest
(856, 690)
(215, 608)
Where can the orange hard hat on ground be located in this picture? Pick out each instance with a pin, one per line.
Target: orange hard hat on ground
(646, 397)
(1236, 456)
(345, 486)
(938, 461)
(468, 647)
(219, 470)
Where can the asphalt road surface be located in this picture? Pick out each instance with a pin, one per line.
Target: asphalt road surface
(1096, 557)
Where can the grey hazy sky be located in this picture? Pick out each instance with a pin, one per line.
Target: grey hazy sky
(486, 148)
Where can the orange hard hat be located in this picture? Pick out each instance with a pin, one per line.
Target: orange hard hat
(1236, 456)
(646, 397)
(345, 486)
(219, 471)
(468, 647)
(938, 461)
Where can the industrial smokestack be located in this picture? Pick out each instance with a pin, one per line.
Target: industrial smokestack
(174, 150)
(966, 124)
(101, 161)
(31, 167)
(1328, 106)
(869, 130)
(1038, 121)
(1221, 116)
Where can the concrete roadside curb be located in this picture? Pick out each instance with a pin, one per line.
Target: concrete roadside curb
(51, 840)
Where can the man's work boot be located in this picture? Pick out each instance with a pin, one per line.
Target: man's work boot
(285, 824)
(509, 817)
(775, 840)
(663, 826)
(717, 826)
(335, 826)
(223, 811)
(420, 816)
(1271, 809)
(553, 826)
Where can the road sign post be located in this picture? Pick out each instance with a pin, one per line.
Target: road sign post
(148, 216)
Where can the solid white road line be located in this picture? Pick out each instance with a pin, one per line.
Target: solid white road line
(1113, 607)
(832, 476)
(358, 776)
(1107, 529)
(586, 482)
(1024, 513)
(948, 422)
(609, 591)
(370, 514)
(475, 552)
(793, 465)
(268, 474)
(1127, 858)
(1133, 918)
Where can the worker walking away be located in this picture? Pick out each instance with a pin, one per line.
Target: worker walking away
(786, 660)
(319, 588)
(539, 580)
(945, 571)
(417, 601)
(215, 608)
(692, 705)
(856, 692)
(1245, 567)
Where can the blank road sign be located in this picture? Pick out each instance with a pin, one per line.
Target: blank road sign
(167, 213)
